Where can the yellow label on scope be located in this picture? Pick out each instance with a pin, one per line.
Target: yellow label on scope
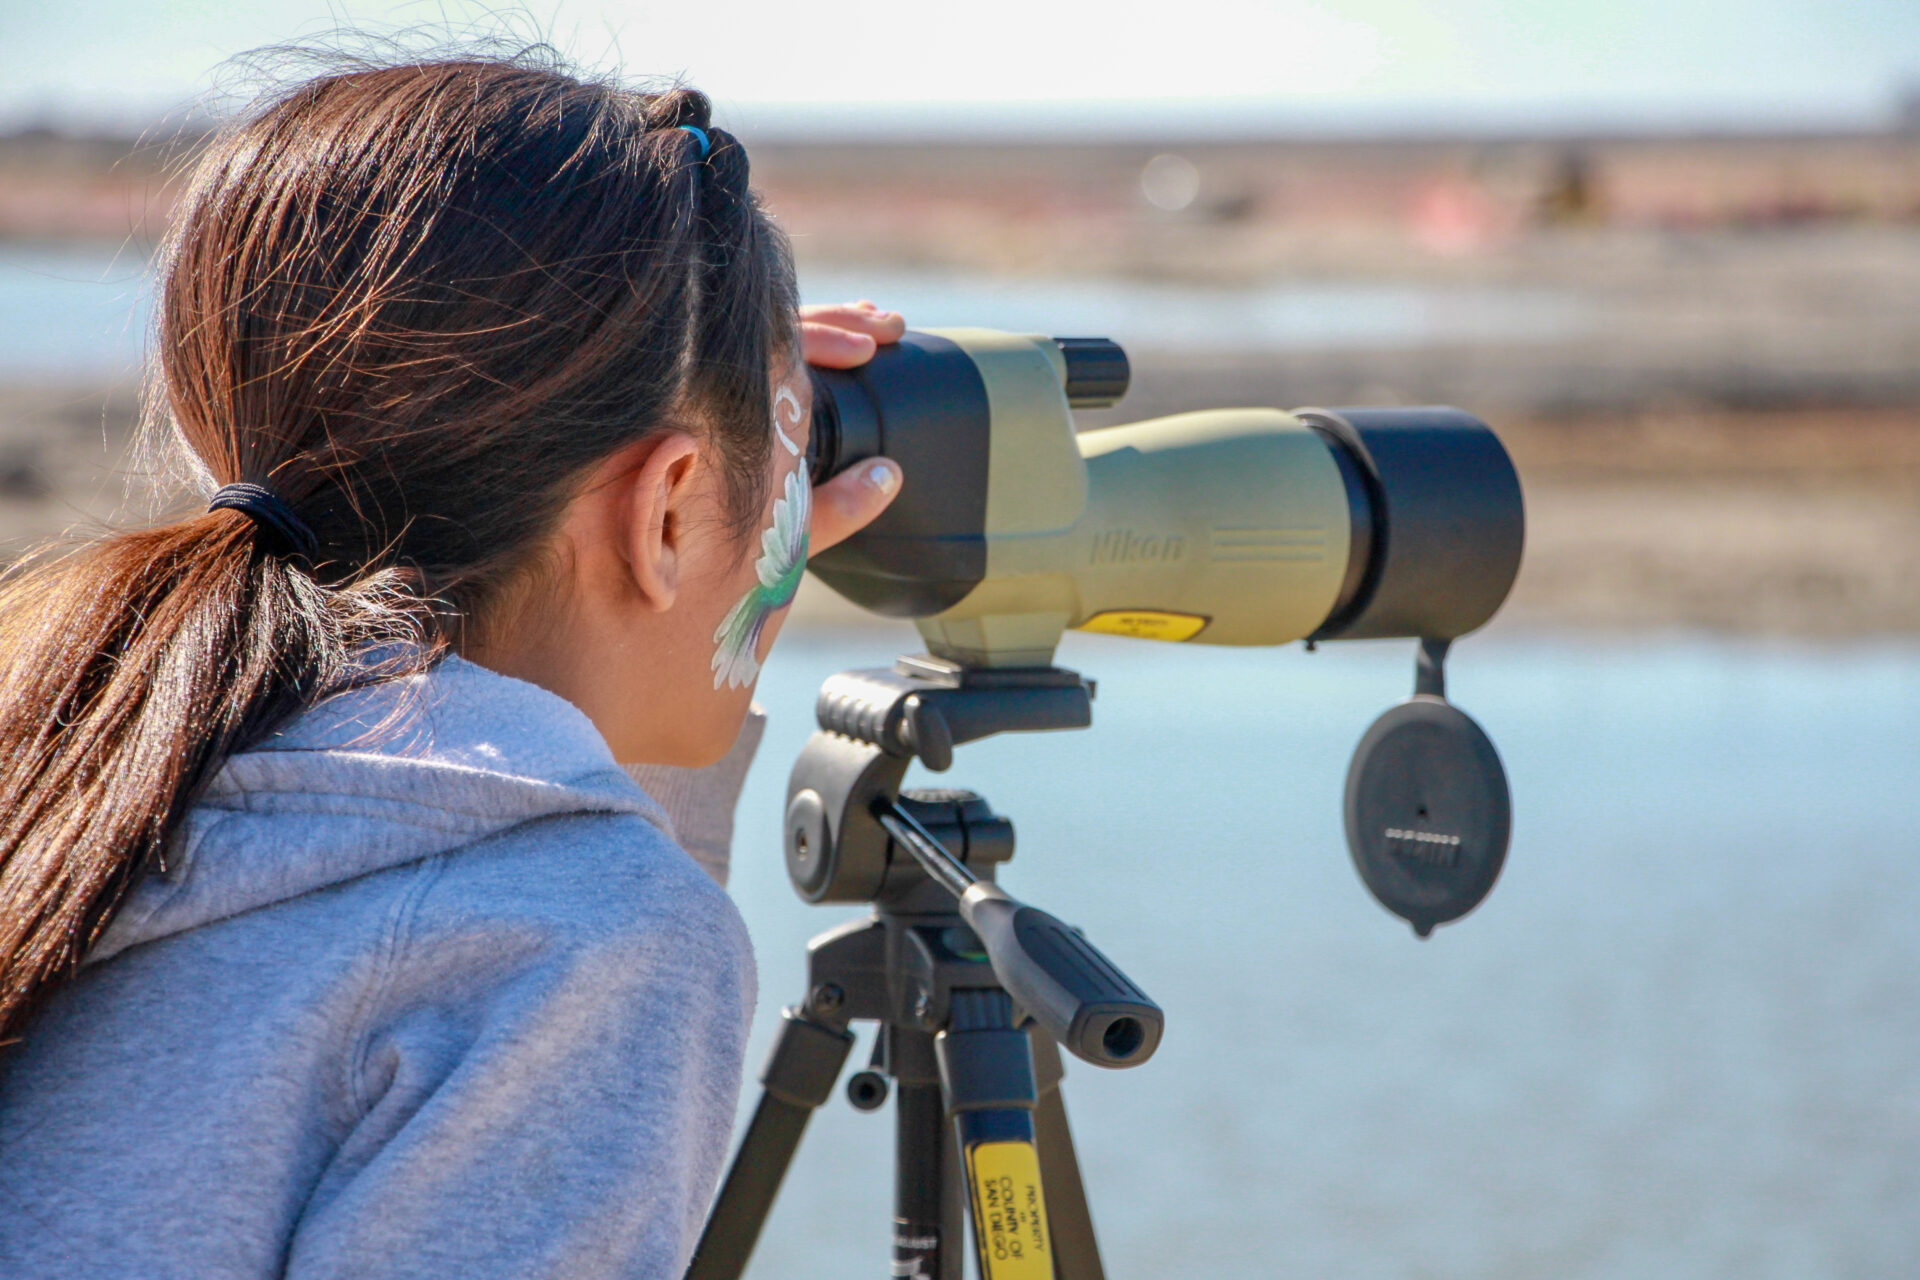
(1009, 1213)
(1146, 624)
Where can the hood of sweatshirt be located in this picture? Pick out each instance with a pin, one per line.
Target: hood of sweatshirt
(370, 779)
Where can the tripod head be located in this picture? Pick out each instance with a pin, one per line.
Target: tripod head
(873, 724)
(852, 835)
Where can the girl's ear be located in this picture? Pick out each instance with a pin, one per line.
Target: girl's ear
(659, 515)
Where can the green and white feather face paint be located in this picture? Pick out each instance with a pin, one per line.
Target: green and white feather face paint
(782, 562)
(783, 559)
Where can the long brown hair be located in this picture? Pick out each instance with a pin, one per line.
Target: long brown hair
(418, 302)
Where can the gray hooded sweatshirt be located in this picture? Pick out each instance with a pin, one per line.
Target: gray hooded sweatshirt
(427, 989)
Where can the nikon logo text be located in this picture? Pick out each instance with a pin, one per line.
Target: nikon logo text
(1424, 846)
(1124, 546)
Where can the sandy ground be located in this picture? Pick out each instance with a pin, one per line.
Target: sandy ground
(1785, 522)
(1793, 522)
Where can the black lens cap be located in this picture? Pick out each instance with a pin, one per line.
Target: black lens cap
(1428, 812)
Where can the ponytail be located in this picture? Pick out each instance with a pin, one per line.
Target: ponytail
(132, 667)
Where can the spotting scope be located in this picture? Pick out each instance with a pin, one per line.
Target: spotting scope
(1230, 526)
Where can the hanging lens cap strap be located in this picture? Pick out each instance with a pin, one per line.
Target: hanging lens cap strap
(1428, 812)
(1430, 668)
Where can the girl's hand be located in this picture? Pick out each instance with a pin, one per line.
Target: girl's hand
(845, 336)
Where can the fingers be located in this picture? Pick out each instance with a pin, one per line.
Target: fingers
(850, 501)
(861, 317)
(831, 347)
(845, 335)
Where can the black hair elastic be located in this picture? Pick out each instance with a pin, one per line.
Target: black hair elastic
(270, 514)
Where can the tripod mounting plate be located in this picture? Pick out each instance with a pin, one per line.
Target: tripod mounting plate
(873, 724)
(1428, 813)
(925, 706)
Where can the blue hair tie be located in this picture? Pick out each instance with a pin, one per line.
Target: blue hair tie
(705, 145)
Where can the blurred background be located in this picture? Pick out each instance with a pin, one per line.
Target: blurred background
(1670, 249)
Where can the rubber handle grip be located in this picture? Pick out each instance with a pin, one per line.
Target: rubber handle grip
(1076, 994)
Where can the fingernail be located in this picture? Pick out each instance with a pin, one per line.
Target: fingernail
(884, 476)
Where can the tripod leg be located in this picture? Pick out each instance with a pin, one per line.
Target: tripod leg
(1076, 1253)
(986, 1067)
(928, 1205)
(799, 1075)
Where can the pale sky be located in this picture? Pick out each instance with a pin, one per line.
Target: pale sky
(1012, 64)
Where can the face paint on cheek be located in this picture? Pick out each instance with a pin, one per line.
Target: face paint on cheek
(786, 413)
(783, 559)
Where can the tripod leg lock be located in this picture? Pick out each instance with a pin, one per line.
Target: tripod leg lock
(987, 1070)
(806, 1060)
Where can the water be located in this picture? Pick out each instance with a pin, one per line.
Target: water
(1167, 316)
(72, 310)
(1680, 1039)
(84, 311)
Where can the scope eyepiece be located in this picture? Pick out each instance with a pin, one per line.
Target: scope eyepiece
(846, 419)
(846, 427)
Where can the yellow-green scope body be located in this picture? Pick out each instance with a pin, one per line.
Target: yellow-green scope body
(1230, 526)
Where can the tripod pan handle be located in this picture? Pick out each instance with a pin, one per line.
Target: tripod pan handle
(1077, 995)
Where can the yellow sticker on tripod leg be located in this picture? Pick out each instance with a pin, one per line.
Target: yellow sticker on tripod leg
(1009, 1212)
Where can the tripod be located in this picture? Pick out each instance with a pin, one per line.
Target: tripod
(973, 991)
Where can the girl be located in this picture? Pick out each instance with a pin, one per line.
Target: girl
(334, 942)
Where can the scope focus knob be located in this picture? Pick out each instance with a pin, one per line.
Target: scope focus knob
(1097, 372)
